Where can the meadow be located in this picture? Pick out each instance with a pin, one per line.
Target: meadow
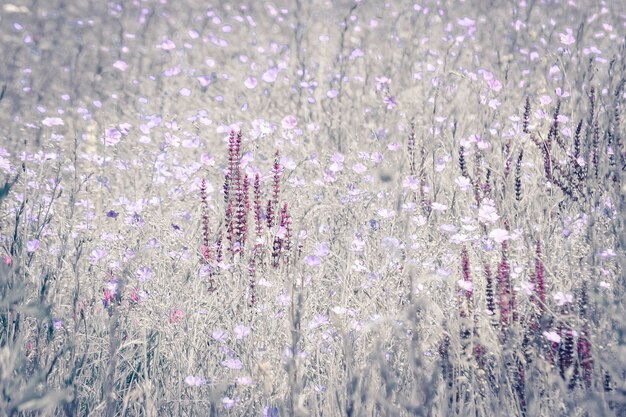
(312, 208)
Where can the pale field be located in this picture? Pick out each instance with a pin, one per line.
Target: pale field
(446, 252)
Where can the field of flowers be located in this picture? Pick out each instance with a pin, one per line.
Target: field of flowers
(312, 208)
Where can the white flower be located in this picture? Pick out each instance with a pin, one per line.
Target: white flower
(466, 286)
(463, 183)
(52, 121)
(527, 287)
(487, 214)
(562, 298)
(499, 235)
(552, 336)
(411, 182)
(386, 213)
(567, 38)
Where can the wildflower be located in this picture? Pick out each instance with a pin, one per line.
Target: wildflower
(567, 38)
(487, 213)
(232, 363)
(499, 235)
(562, 298)
(391, 102)
(138, 295)
(220, 335)
(194, 381)
(176, 315)
(52, 121)
(322, 250)
(552, 336)
(270, 412)
(241, 332)
(97, 255)
(244, 380)
(312, 261)
(382, 82)
(527, 287)
(144, 274)
(120, 65)
(32, 245)
(318, 321)
(229, 402)
(112, 137)
(466, 286)
(289, 122)
(386, 213)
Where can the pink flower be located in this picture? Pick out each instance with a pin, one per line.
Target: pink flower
(120, 65)
(250, 83)
(552, 336)
(138, 295)
(289, 122)
(494, 84)
(567, 38)
(7, 260)
(176, 315)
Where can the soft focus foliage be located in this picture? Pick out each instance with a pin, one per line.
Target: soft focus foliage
(312, 208)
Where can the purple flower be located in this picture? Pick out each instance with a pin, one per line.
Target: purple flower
(318, 321)
(322, 250)
(567, 38)
(96, 255)
(390, 101)
(220, 335)
(144, 274)
(232, 363)
(312, 261)
(112, 137)
(32, 245)
(241, 332)
(229, 402)
(194, 381)
(270, 412)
